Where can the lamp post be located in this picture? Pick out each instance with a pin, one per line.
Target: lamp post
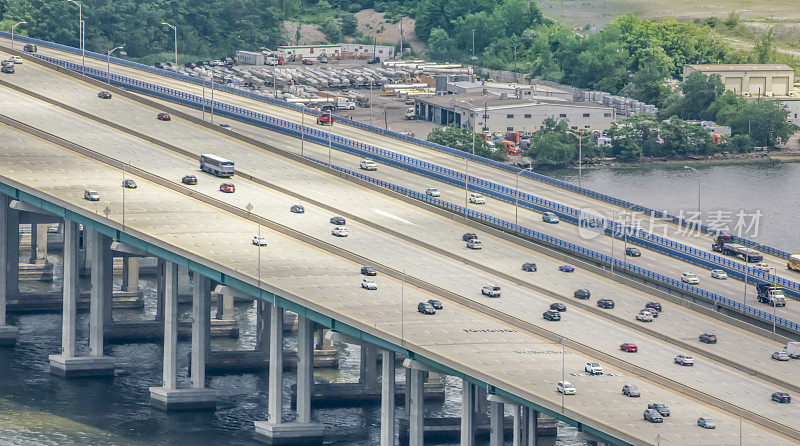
(12, 32)
(108, 62)
(81, 25)
(580, 155)
(516, 196)
(175, 31)
(302, 127)
(698, 184)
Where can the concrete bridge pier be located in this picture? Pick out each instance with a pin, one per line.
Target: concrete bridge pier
(415, 402)
(467, 413)
(9, 265)
(198, 396)
(39, 243)
(388, 388)
(496, 419)
(275, 430)
(67, 364)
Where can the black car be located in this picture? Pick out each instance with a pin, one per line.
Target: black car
(159, 65)
(633, 252)
(297, 209)
(104, 95)
(605, 303)
(374, 60)
(552, 315)
(338, 220)
(469, 236)
(660, 407)
(558, 306)
(190, 65)
(426, 308)
(781, 397)
(368, 271)
(436, 303)
(189, 179)
(654, 305)
(582, 293)
(7, 69)
(129, 184)
(631, 391)
(652, 311)
(30, 48)
(708, 338)
(529, 267)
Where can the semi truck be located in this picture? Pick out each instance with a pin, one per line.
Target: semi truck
(771, 295)
(724, 243)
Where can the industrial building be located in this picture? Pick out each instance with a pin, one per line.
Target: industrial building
(750, 79)
(311, 51)
(361, 51)
(501, 113)
(510, 89)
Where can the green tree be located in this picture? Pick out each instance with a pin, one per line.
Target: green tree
(763, 120)
(332, 31)
(739, 144)
(463, 139)
(699, 92)
(349, 24)
(438, 46)
(764, 49)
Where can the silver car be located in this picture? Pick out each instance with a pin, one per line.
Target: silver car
(780, 356)
(706, 423)
(719, 274)
(432, 192)
(91, 195)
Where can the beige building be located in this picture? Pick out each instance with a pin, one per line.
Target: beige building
(750, 79)
(311, 51)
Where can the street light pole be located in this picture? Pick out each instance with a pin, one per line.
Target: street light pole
(108, 63)
(516, 199)
(12, 32)
(82, 34)
(302, 127)
(175, 31)
(580, 156)
(563, 392)
(698, 184)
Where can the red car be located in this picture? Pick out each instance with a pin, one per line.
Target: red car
(629, 347)
(325, 119)
(164, 117)
(308, 62)
(228, 188)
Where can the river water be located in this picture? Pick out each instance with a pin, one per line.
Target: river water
(37, 408)
(725, 190)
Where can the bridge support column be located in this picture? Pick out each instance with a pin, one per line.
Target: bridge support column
(533, 427)
(415, 403)
(369, 366)
(496, 423)
(274, 430)
(9, 265)
(387, 398)
(130, 274)
(39, 243)
(467, 413)
(95, 364)
(517, 439)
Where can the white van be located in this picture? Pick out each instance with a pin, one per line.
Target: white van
(474, 244)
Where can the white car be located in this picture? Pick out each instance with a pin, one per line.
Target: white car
(16, 59)
(368, 165)
(762, 266)
(566, 388)
(690, 278)
(368, 284)
(684, 360)
(339, 231)
(644, 316)
(719, 274)
(91, 195)
(259, 240)
(433, 192)
(491, 290)
(593, 368)
(476, 198)
(474, 244)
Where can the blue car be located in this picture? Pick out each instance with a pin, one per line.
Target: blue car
(633, 252)
(566, 268)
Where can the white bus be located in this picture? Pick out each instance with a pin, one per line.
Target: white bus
(216, 165)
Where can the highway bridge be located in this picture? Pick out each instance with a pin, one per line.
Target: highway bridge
(57, 130)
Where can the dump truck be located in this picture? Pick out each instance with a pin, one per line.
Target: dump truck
(770, 294)
(724, 243)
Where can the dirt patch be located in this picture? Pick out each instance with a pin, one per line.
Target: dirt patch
(373, 24)
(309, 34)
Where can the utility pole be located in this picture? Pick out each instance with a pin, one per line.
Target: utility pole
(473, 44)
(401, 37)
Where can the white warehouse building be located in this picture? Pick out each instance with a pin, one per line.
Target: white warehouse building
(511, 114)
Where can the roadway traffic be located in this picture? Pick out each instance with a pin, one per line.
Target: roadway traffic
(456, 336)
(469, 277)
(505, 178)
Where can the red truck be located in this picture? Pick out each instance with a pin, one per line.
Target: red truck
(724, 243)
